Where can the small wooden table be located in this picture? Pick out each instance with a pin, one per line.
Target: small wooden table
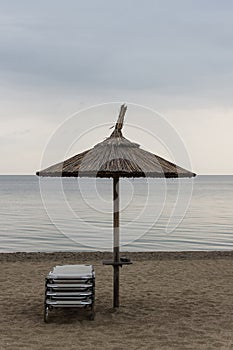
(113, 263)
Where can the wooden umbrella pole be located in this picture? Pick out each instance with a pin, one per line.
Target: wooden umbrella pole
(116, 241)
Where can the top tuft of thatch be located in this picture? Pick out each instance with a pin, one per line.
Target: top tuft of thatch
(120, 122)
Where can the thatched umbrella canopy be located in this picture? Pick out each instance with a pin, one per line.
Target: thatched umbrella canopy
(116, 157)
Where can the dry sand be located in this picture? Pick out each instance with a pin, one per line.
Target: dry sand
(168, 301)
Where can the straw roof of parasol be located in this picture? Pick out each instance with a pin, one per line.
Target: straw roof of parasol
(116, 156)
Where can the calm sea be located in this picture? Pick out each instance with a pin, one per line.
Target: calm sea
(76, 214)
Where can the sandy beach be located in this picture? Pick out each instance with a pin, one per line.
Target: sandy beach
(168, 301)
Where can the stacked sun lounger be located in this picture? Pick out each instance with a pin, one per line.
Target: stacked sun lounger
(70, 286)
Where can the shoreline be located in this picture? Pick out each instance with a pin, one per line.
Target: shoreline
(99, 255)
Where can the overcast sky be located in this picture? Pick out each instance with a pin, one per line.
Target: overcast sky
(57, 57)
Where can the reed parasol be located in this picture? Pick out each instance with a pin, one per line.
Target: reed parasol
(113, 158)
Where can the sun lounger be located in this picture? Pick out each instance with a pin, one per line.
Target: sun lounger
(70, 286)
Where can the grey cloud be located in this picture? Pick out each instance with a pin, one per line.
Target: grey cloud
(57, 57)
(178, 47)
(14, 134)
